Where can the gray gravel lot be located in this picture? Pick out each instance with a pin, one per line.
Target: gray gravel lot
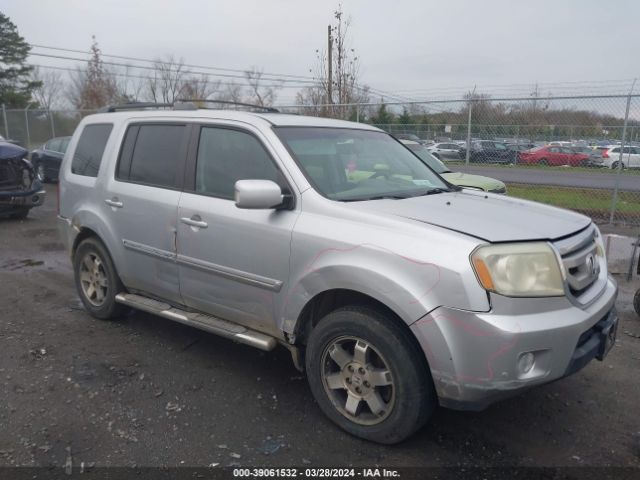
(144, 391)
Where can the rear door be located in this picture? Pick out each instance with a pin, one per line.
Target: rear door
(234, 263)
(141, 203)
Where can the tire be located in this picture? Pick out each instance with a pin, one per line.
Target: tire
(101, 275)
(19, 213)
(636, 302)
(403, 399)
(614, 165)
(543, 161)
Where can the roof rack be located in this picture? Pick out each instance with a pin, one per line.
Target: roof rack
(182, 104)
(133, 106)
(229, 102)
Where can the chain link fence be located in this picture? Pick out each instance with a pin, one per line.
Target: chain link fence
(576, 152)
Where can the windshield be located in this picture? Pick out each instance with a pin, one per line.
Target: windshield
(425, 155)
(350, 164)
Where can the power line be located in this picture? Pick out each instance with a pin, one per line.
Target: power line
(137, 59)
(128, 75)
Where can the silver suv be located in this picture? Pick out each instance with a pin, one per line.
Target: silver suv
(394, 290)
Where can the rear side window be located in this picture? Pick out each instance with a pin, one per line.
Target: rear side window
(88, 154)
(151, 155)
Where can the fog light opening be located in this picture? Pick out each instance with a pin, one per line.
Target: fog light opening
(525, 362)
(35, 199)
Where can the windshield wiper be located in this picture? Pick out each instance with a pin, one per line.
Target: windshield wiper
(433, 191)
(376, 197)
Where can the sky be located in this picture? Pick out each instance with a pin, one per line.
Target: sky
(414, 48)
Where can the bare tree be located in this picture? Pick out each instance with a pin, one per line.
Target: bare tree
(263, 95)
(167, 80)
(51, 87)
(345, 78)
(198, 87)
(130, 87)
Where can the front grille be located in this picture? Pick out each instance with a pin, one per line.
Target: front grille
(581, 262)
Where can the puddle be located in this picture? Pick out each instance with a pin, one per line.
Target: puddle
(44, 261)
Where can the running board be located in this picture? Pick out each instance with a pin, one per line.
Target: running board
(208, 323)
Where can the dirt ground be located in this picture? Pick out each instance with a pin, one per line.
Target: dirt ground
(148, 392)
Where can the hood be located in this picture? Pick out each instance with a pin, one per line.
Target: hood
(491, 217)
(9, 151)
(469, 180)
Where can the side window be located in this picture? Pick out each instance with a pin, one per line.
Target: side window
(226, 156)
(151, 154)
(88, 154)
(53, 145)
(615, 150)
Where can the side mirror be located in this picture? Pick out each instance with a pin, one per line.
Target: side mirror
(258, 194)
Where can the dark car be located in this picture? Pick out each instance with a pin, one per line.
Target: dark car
(20, 187)
(488, 151)
(46, 159)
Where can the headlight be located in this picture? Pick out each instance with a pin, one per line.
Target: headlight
(519, 269)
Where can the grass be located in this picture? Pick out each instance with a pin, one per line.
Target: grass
(592, 202)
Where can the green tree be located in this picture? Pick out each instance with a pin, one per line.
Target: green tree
(405, 118)
(16, 84)
(382, 116)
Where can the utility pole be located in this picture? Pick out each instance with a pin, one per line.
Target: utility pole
(468, 149)
(329, 65)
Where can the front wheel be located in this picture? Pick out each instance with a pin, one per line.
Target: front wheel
(368, 375)
(96, 280)
(636, 302)
(544, 162)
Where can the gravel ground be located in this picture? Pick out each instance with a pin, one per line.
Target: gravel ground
(148, 392)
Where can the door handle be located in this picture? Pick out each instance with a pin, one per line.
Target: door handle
(114, 202)
(194, 221)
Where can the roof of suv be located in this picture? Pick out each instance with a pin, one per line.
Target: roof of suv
(278, 119)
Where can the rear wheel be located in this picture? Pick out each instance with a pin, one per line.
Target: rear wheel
(368, 375)
(636, 302)
(543, 161)
(616, 164)
(97, 281)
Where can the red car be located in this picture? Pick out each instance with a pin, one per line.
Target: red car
(553, 155)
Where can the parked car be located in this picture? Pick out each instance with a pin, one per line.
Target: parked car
(595, 156)
(410, 136)
(630, 157)
(395, 293)
(448, 150)
(20, 188)
(488, 151)
(465, 180)
(555, 156)
(46, 159)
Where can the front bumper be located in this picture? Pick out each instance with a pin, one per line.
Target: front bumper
(475, 357)
(31, 198)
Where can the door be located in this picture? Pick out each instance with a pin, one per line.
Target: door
(141, 203)
(233, 263)
(634, 158)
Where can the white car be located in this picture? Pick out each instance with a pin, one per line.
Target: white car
(630, 157)
(447, 150)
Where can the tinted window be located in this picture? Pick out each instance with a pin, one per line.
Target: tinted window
(226, 156)
(156, 155)
(88, 154)
(566, 150)
(615, 150)
(53, 145)
(64, 143)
